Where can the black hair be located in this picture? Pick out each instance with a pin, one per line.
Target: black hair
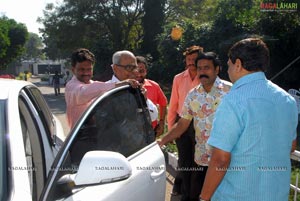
(253, 53)
(209, 56)
(141, 59)
(81, 55)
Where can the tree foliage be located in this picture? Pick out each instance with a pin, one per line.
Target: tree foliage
(33, 47)
(13, 37)
(152, 23)
(78, 23)
(232, 21)
(144, 26)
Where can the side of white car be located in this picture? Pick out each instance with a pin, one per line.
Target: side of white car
(111, 153)
(30, 129)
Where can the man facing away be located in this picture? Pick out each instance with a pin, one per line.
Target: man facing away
(81, 90)
(200, 106)
(182, 84)
(154, 93)
(253, 132)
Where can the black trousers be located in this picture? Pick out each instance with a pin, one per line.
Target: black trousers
(186, 150)
(197, 181)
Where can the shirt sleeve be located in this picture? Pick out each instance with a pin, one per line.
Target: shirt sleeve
(85, 92)
(162, 99)
(172, 111)
(187, 109)
(227, 127)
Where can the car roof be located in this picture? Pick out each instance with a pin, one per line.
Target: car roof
(10, 87)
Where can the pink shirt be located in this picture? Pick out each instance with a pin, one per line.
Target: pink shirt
(79, 96)
(182, 84)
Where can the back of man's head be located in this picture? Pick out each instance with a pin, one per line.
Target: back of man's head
(253, 53)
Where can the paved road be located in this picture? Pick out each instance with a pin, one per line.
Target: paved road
(58, 107)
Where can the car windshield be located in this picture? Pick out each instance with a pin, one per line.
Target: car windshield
(3, 163)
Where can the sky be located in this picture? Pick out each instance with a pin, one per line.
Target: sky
(25, 11)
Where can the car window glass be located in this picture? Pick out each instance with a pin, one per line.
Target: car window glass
(117, 123)
(44, 112)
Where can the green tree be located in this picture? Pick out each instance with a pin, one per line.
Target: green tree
(33, 47)
(13, 37)
(152, 22)
(101, 26)
(78, 23)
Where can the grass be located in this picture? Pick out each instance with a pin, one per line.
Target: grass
(295, 171)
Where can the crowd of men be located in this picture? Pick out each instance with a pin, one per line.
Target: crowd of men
(227, 133)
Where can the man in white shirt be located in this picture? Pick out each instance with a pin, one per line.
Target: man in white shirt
(125, 67)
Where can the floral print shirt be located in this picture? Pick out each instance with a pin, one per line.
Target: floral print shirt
(201, 106)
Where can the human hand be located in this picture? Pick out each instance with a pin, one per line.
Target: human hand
(159, 129)
(158, 141)
(133, 83)
(144, 91)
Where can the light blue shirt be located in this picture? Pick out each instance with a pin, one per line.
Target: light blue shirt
(256, 122)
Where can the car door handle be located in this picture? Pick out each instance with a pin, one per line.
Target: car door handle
(156, 175)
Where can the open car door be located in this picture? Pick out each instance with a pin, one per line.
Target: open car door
(111, 154)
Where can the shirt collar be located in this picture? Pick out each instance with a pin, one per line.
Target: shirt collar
(218, 84)
(147, 83)
(114, 79)
(75, 78)
(186, 73)
(248, 78)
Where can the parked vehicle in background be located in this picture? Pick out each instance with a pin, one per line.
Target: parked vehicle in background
(110, 154)
(8, 76)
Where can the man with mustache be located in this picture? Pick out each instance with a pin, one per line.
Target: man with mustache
(200, 105)
(182, 84)
(81, 90)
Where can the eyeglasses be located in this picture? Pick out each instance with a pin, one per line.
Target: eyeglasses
(129, 67)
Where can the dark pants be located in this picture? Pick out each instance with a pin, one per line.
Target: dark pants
(197, 181)
(186, 150)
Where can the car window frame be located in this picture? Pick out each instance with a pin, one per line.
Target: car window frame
(38, 172)
(44, 112)
(5, 177)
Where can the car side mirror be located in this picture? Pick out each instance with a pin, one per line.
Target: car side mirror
(98, 167)
(102, 167)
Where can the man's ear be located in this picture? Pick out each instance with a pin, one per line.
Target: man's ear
(238, 65)
(218, 69)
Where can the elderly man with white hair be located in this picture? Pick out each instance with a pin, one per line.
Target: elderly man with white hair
(125, 67)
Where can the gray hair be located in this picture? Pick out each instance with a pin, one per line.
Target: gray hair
(117, 56)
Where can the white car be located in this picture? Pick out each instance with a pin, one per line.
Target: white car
(111, 153)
